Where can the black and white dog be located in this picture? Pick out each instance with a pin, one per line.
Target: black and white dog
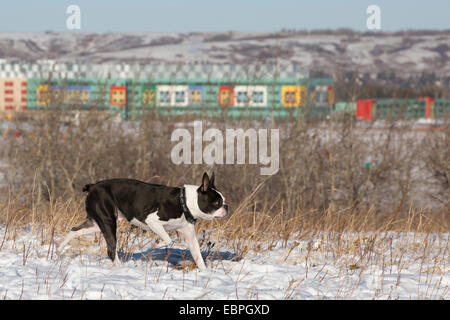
(152, 207)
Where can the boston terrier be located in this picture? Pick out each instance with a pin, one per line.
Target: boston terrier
(152, 207)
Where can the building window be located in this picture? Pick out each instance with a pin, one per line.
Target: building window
(330, 96)
(118, 95)
(43, 96)
(179, 96)
(148, 97)
(226, 96)
(85, 96)
(164, 96)
(294, 96)
(195, 97)
(289, 98)
(258, 97)
(242, 97)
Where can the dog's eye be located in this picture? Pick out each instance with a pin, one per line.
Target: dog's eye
(218, 203)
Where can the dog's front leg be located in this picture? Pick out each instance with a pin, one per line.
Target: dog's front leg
(157, 228)
(188, 234)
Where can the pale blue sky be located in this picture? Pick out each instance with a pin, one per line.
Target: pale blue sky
(222, 15)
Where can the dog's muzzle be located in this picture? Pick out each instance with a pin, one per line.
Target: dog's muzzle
(221, 213)
(225, 211)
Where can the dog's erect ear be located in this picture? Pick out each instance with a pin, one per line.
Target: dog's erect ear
(211, 180)
(205, 183)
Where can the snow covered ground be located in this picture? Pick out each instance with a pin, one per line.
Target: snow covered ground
(399, 266)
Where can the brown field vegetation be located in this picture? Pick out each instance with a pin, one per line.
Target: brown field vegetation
(335, 174)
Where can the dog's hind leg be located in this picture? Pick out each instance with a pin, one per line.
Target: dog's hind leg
(103, 212)
(87, 227)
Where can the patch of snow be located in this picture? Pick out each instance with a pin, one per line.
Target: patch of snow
(295, 270)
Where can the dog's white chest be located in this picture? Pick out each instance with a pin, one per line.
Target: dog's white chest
(171, 224)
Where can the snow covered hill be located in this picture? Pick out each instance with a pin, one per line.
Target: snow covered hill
(406, 53)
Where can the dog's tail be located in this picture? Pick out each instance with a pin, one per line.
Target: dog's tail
(87, 187)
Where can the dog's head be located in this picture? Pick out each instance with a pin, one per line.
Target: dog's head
(210, 202)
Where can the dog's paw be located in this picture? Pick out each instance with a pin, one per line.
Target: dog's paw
(58, 251)
(161, 243)
(158, 244)
(201, 268)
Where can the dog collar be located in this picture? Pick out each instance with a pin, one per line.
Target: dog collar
(187, 214)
